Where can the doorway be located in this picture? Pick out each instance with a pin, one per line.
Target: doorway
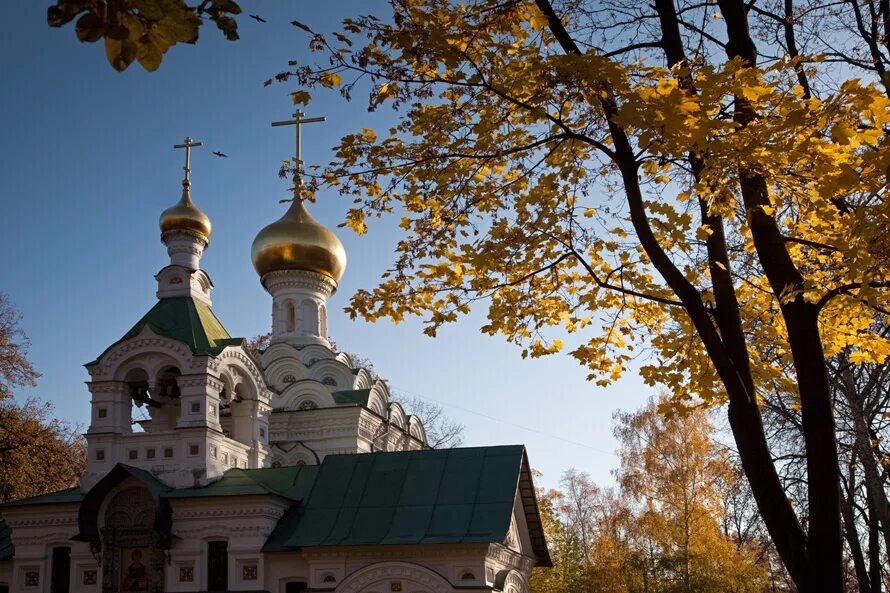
(218, 566)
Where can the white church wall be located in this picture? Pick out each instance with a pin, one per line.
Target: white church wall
(283, 568)
(245, 522)
(426, 568)
(35, 532)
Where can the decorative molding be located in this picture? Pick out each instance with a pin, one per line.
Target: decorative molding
(399, 571)
(299, 279)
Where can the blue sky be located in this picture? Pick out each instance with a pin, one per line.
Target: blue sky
(87, 165)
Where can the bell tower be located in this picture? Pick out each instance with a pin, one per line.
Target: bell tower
(177, 395)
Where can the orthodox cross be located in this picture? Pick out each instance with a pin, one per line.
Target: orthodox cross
(188, 152)
(298, 122)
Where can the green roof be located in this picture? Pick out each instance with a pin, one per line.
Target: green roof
(188, 321)
(446, 496)
(352, 396)
(61, 497)
(88, 514)
(410, 497)
(292, 482)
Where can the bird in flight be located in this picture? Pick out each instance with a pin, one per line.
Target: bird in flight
(258, 18)
(221, 155)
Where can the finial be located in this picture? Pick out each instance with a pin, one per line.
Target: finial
(188, 152)
(298, 121)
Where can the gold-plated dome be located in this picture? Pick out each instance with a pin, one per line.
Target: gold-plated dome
(296, 241)
(185, 216)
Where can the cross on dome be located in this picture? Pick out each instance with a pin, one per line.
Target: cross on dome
(188, 152)
(298, 122)
(184, 216)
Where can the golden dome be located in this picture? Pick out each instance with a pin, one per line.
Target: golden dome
(185, 216)
(296, 241)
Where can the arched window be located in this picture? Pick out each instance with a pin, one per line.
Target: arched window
(291, 313)
(137, 384)
(310, 317)
(166, 385)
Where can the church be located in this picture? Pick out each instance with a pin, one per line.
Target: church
(216, 467)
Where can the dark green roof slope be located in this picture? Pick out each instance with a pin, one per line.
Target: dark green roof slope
(352, 396)
(292, 483)
(63, 496)
(410, 497)
(188, 321)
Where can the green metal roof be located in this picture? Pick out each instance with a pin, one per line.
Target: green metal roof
(60, 497)
(188, 321)
(352, 396)
(410, 497)
(292, 483)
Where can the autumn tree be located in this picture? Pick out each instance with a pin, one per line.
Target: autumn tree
(680, 477)
(15, 368)
(665, 527)
(38, 453)
(638, 175)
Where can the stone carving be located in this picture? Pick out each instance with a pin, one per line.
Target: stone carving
(412, 577)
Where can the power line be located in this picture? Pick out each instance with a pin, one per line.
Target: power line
(513, 424)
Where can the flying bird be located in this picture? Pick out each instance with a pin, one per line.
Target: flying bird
(258, 18)
(221, 155)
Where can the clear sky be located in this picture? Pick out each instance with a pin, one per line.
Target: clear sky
(87, 165)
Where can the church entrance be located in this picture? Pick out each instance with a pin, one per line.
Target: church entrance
(217, 567)
(133, 556)
(61, 570)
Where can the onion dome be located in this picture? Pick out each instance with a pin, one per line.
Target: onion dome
(296, 241)
(185, 216)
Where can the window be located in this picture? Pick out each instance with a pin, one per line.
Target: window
(150, 453)
(262, 433)
(295, 587)
(100, 454)
(218, 566)
(59, 581)
(468, 576)
(90, 576)
(329, 578)
(102, 413)
(186, 574)
(193, 450)
(168, 452)
(196, 407)
(330, 381)
(307, 405)
(132, 454)
(249, 572)
(291, 316)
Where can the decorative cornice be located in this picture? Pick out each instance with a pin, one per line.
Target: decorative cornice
(299, 279)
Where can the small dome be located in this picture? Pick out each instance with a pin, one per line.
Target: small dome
(296, 241)
(185, 216)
